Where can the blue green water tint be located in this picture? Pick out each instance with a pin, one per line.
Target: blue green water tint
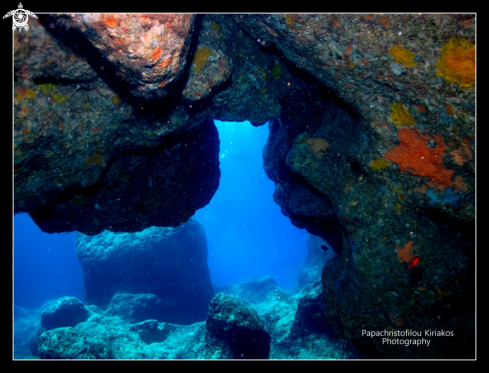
(247, 235)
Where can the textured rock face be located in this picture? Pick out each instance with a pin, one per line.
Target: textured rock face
(235, 331)
(104, 336)
(86, 157)
(372, 146)
(165, 174)
(298, 327)
(295, 323)
(66, 343)
(66, 311)
(148, 50)
(170, 263)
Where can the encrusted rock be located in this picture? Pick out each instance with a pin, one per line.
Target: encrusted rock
(66, 343)
(90, 156)
(149, 50)
(235, 331)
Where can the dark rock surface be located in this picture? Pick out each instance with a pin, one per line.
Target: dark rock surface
(372, 144)
(66, 311)
(169, 263)
(310, 314)
(235, 331)
(166, 173)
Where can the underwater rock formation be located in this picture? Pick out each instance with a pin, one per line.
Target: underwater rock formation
(251, 290)
(148, 50)
(59, 317)
(167, 264)
(234, 330)
(66, 311)
(104, 336)
(298, 327)
(283, 326)
(341, 94)
(137, 307)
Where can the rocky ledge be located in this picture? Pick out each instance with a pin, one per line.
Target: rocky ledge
(372, 143)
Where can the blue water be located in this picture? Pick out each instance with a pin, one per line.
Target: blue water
(45, 265)
(247, 235)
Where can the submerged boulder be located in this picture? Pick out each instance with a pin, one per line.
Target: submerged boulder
(170, 263)
(137, 307)
(57, 319)
(253, 290)
(66, 311)
(235, 331)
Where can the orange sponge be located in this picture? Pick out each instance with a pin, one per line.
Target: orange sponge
(414, 154)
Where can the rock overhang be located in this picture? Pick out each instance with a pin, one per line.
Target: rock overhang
(353, 82)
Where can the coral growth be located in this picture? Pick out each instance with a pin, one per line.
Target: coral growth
(406, 253)
(457, 62)
(110, 20)
(437, 186)
(276, 71)
(379, 164)
(95, 159)
(200, 58)
(50, 90)
(291, 19)
(47, 88)
(415, 156)
(449, 110)
(403, 55)
(25, 93)
(459, 184)
(400, 115)
(318, 146)
(462, 154)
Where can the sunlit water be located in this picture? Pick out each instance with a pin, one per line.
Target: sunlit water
(247, 235)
